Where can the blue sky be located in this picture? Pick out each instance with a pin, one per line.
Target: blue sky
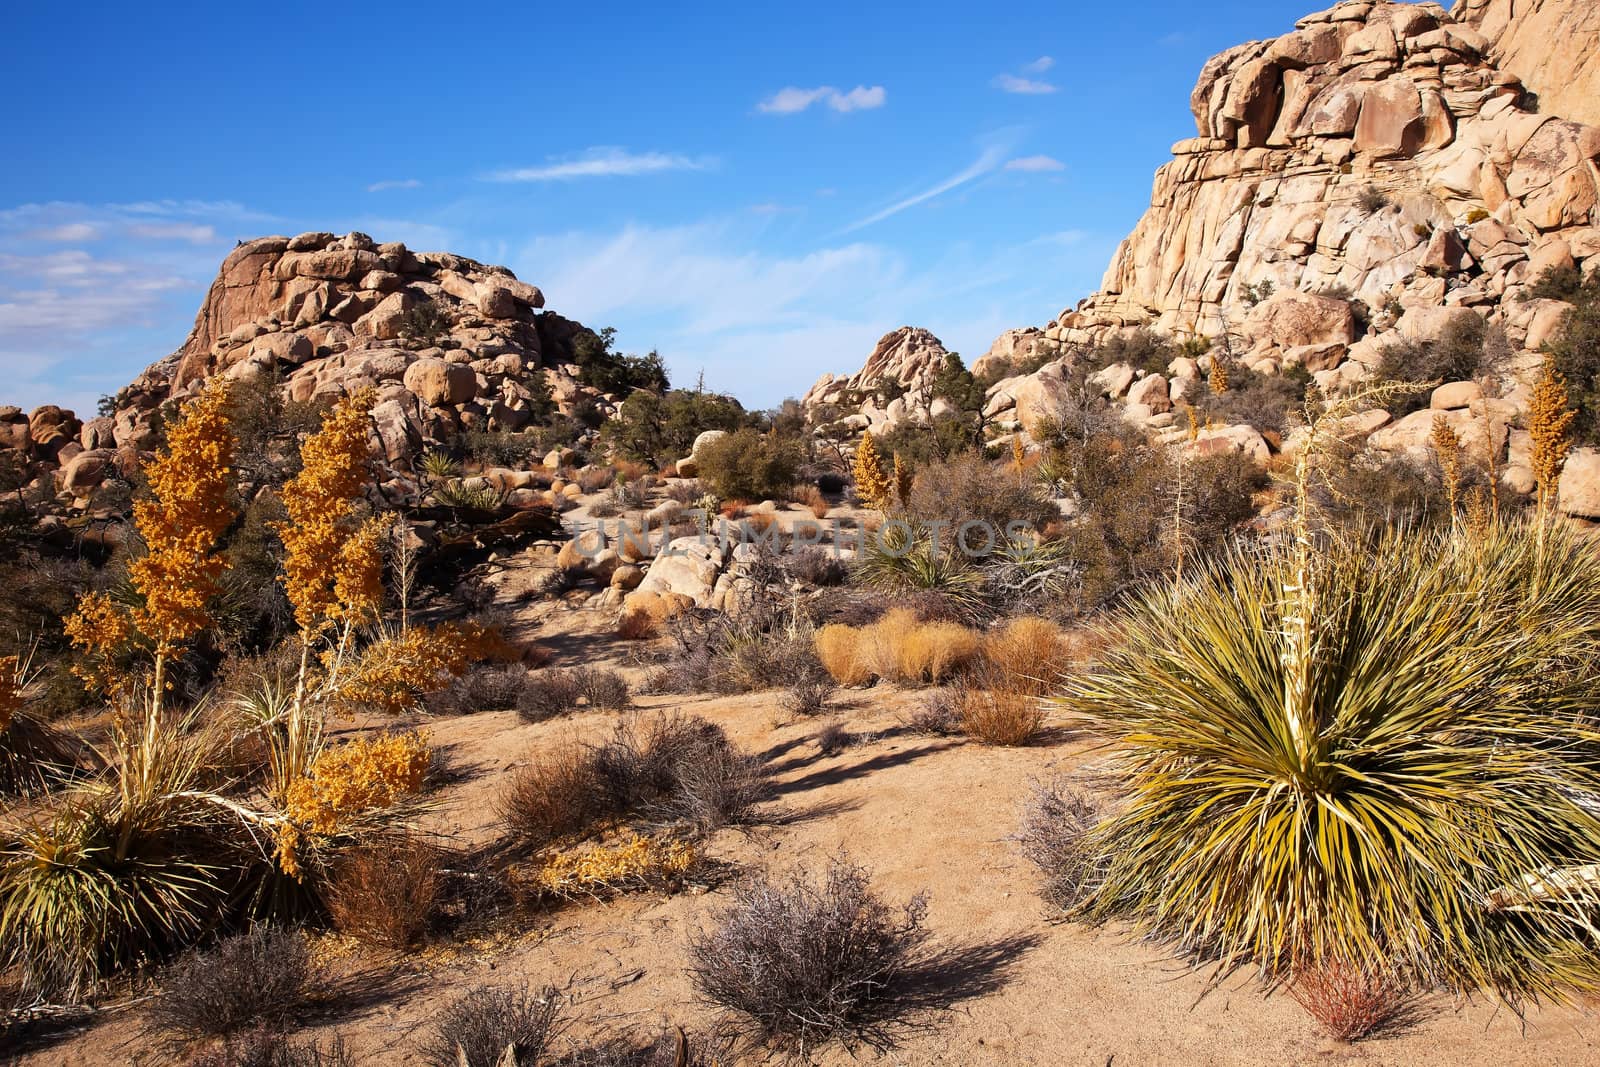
(758, 191)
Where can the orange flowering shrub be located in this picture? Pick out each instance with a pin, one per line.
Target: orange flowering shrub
(394, 671)
(99, 628)
(358, 778)
(636, 862)
(331, 557)
(191, 484)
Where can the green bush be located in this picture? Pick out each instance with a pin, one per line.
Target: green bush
(748, 465)
(1465, 351)
(661, 428)
(1384, 758)
(1576, 348)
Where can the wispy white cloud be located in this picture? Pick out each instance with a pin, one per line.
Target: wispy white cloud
(792, 100)
(1040, 65)
(604, 163)
(984, 164)
(394, 183)
(193, 232)
(1035, 164)
(66, 233)
(1012, 83)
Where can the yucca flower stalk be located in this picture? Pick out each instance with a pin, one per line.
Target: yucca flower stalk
(1406, 776)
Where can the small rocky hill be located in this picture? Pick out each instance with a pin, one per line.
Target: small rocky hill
(449, 344)
(1549, 44)
(895, 383)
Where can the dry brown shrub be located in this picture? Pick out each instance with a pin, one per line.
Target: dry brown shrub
(553, 796)
(760, 522)
(1350, 1002)
(1027, 653)
(1000, 716)
(901, 648)
(813, 498)
(629, 470)
(839, 650)
(735, 509)
(384, 894)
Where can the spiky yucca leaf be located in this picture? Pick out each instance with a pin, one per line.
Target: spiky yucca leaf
(898, 561)
(1452, 750)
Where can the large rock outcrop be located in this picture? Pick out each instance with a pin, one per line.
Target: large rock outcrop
(1549, 44)
(1378, 153)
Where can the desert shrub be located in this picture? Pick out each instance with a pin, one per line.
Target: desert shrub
(480, 1025)
(637, 626)
(425, 324)
(555, 795)
(972, 490)
(685, 491)
(938, 714)
(709, 652)
(899, 647)
(269, 1047)
(809, 694)
(1329, 755)
(636, 862)
(385, 893)
(483, 688)
(1557, 283)
(1368, 490)
(813, 498)
(806, 960)
(833, 739)
(33, 754)
(667, 768)
(815, 565)
(1268, 402)
(941, 439)
(1351, 1003)
(1372, 200)
(1575, 351)
(662, 428)
(502, 448)
(747, 465)
(1000, 716)
(1026, 653)
(554, 692)
(1460, 353)
(1055, 822)
(594, 479)
(263, 977)
(680, 770)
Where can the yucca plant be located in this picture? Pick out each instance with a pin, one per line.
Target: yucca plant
(1383, 756)
(899, 560)
(33, 754)
(125, 869)
(458, 494)
(437, 466)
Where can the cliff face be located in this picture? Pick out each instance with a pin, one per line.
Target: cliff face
(1378, 152)
(1550, 44)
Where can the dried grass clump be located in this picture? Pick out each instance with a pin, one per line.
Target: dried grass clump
(1055, 822)
(813, 498)
(809, 694)
(839, 650)
(261, 978)
(1027, 653)
(478, 1028)
(1351, 1002)
(1000, 716)
(899, 647)
(385, 894)
(807, 960)
(816, 566)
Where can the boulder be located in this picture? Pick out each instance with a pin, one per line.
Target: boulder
(437, 383)
(1295, 319)
(1579, 494)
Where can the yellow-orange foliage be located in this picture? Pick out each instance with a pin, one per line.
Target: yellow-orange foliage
(98, 629)
(325, 545)
(1001, 716)
(394, 671)
(189, 510)
(1549, 420)
(10, 691)
(872, 484)
(902, 482)
(898, 648)
(838, 649)
(637, 862)
(358, 778)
